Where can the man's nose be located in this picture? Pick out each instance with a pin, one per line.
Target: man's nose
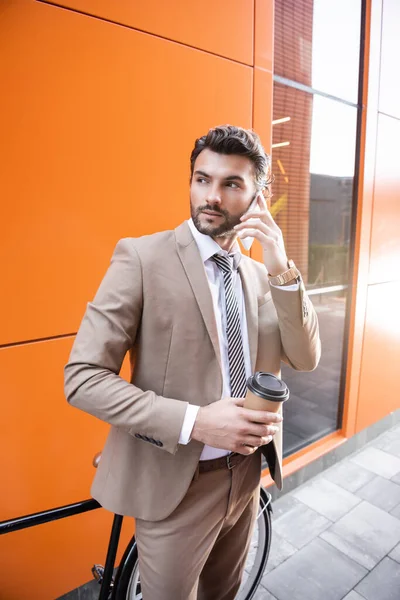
(214, 195)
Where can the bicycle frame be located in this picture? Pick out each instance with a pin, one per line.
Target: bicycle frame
(123, 573)
(62, 512)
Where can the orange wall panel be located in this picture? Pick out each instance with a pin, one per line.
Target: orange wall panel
(364, 213)
(389, 97)
(100, 120)
(46, 450)
(45, 562)
(264, 34)
(223, 27)
(379, 381)
(100, 116)
(262, 116)
(47, 447)
(385, 239)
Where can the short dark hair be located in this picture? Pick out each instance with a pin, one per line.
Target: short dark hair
(228, 139)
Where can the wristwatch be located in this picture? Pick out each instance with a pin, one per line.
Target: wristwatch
(286, 276)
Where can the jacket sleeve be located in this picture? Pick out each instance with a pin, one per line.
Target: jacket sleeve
(298, 325)
(108, 330)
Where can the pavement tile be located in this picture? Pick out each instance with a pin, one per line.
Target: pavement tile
(353, 596)
(348, 475)
(396, 478)
(382, 583)
(283, 505)
(377, 461)
(396, 512)
(392, 446)
(312, 574)
(281, 549)
(300, 525)
(366, 534)
(384, 439)
(381, 492)
(263, 594)
(327, 498)
(395, 553)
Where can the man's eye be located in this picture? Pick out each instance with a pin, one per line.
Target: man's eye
(232, 184)
(201, 180)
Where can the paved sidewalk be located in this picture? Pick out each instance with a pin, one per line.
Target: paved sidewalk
(337, 537)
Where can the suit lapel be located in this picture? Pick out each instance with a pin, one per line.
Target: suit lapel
(194, 269)
(250, 298)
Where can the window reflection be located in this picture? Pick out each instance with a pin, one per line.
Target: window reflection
(317, 43)
(312, 411)
(312, 203)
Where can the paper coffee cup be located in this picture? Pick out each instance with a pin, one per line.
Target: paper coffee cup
(265, 392)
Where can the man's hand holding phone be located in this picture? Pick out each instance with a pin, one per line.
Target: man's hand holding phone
(258, 223)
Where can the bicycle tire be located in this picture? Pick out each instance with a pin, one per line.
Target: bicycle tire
(249, 587)
(127, 577)
(129, 563)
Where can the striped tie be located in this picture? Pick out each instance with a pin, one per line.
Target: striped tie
(237, 370)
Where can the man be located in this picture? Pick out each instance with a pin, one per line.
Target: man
(198, 318)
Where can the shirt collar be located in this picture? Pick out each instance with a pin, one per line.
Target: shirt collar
(208, 247)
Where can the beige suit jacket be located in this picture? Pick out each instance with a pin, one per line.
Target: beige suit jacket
(155, 302)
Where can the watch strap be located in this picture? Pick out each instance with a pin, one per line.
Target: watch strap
(286, 276)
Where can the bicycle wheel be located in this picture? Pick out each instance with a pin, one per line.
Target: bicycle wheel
(127, 582)
(259, 549)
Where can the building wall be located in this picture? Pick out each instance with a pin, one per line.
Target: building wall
(379, 280)
(101, 104)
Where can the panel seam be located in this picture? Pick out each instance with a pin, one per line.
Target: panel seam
(156, 35)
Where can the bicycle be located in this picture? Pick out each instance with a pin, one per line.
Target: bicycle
(126, 583)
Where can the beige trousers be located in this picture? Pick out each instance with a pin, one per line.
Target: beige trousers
(199, 551)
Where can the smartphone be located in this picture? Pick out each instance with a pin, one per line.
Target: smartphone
(248, 241)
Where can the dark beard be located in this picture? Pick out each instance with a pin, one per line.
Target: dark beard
(225, 229)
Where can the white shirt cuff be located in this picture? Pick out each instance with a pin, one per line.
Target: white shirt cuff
(188, 423)
(289, 288)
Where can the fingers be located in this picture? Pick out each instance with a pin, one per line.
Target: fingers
(258, 220)
(253, 225)
(254, 221)
(246, 450)
(262, 416)
(256, 441)
(262, 212)
(259, 436)
(239, 401)
(252, 444)
(256, 233)
(260, 429)
(261, 201)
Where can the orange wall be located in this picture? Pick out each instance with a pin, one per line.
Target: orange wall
(101, 103)
(374, 386)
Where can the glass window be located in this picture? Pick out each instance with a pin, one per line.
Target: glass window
(313, 159)
(317, 43)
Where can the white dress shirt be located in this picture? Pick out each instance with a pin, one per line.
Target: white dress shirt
(207, 248)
